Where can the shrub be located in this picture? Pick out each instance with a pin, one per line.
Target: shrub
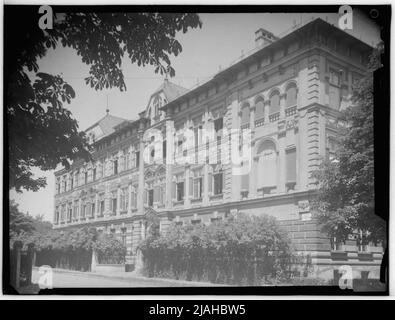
(242, 250)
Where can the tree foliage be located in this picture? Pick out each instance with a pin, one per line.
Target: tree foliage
(345, 203)
(241, 250)
(41, 130)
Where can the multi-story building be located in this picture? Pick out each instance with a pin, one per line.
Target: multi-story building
(179, 161)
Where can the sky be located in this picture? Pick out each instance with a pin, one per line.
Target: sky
(222, 39)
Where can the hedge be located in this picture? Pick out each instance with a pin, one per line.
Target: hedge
(245, 250)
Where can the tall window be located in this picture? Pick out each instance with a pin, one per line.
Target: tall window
(259, 109)
(69, 212)
(94, 174)
(334, 89)
(133, 198)
(274, 102)
(71, 181)
(218, 183)
(291, 168)
(76, 209)
(86, 177)
(115, 166)
(150, 195)
(196, 185)
(245, 114)
(101, 204)
(114, 202)
(92, 208)
(267, 165)
(180, 191)
(126, 159)
(124, 199)
(56, 215)
(123, 236)
(83, 210)
(291, 95)
(58, 186)
(137, 163)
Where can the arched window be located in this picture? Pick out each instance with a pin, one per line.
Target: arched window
(274, 102)
(245, 113)
(259, 109)
(267, 165)
(291, 95)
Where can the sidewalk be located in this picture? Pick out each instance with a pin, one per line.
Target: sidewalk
(130, 276)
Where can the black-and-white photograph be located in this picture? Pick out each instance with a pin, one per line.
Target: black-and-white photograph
(213, 149)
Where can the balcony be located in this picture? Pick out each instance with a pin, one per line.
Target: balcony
(274, 117)
(259, 122)
(245, 126)
(290, 111)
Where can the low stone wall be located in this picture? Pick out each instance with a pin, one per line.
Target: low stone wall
(308, 240)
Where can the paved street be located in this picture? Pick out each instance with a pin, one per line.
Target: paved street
(89, 280)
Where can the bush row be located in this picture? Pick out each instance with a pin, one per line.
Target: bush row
(242, 250)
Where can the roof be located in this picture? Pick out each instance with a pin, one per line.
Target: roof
(107, 124)
(298, 33)
(171, 90)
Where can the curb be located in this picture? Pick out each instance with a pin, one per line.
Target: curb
(137, 277)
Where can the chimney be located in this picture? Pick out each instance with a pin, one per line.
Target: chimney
(264, 38)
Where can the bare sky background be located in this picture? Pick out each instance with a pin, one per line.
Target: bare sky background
(220, 41)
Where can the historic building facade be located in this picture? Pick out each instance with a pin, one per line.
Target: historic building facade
(179, 160)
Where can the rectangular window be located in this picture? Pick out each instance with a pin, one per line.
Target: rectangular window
(115, 166)
(83, 210)
(218, 125)
(291, 164)
(101, 204)
(86, 177)
(123, 236)
(94, 174)
(114, 203)
(198, 188)
(180, 191)
(334, 77)
(137, 159)
(69, 213)
(218, 183)
(93, 207)
(124, 199)
(150, 197)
